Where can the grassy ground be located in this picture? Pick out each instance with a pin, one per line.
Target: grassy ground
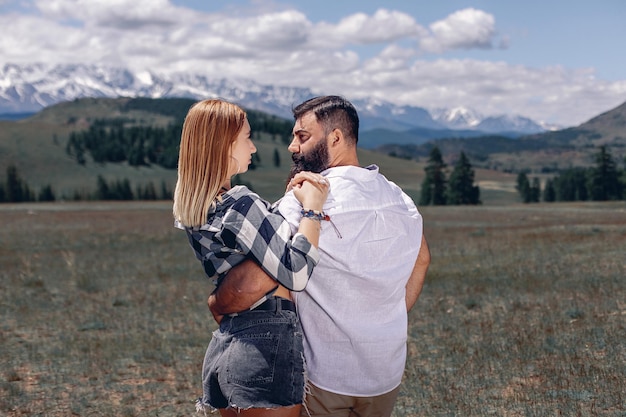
(102, 310)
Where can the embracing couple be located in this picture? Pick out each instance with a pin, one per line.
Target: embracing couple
(312, 292)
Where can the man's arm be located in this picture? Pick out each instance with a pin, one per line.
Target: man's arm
(416, 281)
(243, 286)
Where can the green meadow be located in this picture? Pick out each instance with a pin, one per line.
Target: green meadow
(103, 312)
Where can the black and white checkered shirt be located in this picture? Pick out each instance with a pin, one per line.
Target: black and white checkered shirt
(242, 226)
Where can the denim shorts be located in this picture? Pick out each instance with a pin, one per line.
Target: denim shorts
(255, 359)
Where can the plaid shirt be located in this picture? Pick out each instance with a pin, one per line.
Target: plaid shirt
(242, 226)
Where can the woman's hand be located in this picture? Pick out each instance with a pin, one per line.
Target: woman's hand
(310, 189)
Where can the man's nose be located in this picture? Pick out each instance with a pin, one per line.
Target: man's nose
(294, 147)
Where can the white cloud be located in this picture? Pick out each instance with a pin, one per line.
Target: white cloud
(465, 29)
(391, 59)
(545, 94)
(280, 30)
(30, 38)
(383, 26)
(122, 14)
(284, 47)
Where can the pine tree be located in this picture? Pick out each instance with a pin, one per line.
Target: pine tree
(15, 191)
(535, 191)
(622, 180)
(102, 192)
(123, 190)
(166, 192)
(604, 181)
(523, 187)
(276, 158)
(27, 193)
(434, 184)
(46, 194)
(136, 155)
(549, 194)
(461, 188)
(76, 148)
(146, 193)
(571, 185)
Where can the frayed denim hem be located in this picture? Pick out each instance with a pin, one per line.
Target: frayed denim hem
(307, 391)
(307, 388)
(203, 408)
(207, 409)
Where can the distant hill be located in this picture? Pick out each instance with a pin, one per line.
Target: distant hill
(378, 138)
(542, 152)
(608, 128)
(37, 147)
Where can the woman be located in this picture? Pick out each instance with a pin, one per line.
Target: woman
(254, 364)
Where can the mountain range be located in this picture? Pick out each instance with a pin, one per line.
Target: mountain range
(545, 152)
(29, 88)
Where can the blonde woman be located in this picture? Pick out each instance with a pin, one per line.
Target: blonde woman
(254, 363)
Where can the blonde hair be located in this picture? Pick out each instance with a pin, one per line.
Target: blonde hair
(209, 130)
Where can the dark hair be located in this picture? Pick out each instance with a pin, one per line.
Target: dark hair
(333, 112)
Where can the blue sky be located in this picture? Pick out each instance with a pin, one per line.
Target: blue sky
(556, 61)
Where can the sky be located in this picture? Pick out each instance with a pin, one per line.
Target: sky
(555, 61)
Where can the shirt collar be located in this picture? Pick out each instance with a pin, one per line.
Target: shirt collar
(360, 173)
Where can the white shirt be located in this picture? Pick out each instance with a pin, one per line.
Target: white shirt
(353, 310)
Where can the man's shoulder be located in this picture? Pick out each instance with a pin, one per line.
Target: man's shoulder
(343, 171)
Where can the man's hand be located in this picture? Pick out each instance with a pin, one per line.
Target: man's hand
(243, 286)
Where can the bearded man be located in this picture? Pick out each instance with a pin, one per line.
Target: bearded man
(373, 262)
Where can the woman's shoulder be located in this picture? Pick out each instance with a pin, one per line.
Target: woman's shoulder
(241, 193)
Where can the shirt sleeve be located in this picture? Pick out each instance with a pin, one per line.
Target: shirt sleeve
(249, 226)
(290, 209)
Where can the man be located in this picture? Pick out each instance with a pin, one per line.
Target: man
(373, 261)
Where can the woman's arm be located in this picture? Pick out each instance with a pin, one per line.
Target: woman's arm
(251, 228)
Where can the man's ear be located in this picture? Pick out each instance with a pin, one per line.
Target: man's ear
(336, 137)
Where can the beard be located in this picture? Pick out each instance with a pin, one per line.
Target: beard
(316, 160)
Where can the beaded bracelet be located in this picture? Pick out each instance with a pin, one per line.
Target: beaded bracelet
(315, 215)
(319, 216)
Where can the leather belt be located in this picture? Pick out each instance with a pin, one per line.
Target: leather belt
(271, 304)
(276, 304)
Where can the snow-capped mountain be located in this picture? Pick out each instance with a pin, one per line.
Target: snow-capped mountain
(33, 87)
(375, 113)
(457, 117)
(465, 118)
(29, 88)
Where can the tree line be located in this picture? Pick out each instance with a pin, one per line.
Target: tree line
(111, 140)
(603, 181)
(458, 189)
(120, 140)
(16, 190)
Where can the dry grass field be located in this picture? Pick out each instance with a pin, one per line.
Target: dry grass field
(102, 312)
